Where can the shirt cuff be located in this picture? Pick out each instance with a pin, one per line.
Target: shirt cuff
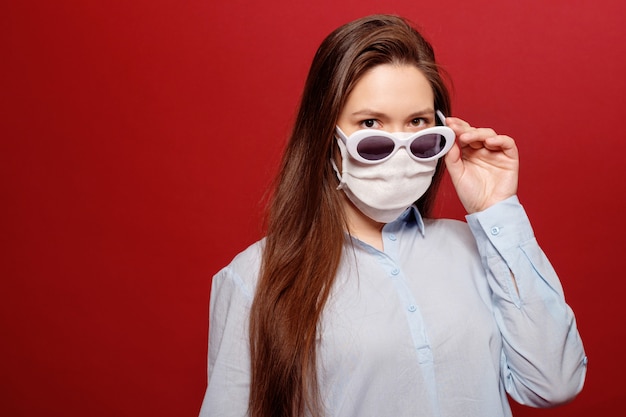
(501, 227)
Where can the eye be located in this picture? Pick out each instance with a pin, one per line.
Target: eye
(419, 122)
(369, 124)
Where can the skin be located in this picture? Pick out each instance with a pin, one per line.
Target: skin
(483, 165)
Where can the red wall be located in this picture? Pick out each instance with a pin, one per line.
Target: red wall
(138, 137)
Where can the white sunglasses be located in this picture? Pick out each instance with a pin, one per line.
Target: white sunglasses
(371, 146)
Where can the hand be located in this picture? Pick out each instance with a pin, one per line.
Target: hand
(483, 165)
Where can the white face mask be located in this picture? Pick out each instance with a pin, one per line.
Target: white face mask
(383, 191)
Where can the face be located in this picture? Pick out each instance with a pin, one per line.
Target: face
(394, 98)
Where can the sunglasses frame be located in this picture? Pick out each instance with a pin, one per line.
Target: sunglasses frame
(354, 139)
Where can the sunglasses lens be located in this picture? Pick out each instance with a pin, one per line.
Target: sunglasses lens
(374, 148)
(428, 145)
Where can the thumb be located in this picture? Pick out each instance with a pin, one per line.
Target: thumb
(454, 162)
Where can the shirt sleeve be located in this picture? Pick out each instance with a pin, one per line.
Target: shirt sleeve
(543, 361)
(229, 360)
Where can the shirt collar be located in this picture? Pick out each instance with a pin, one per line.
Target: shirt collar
(409, 216)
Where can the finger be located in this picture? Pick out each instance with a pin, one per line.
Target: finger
(454, 154)
(456, 121)
(497, 143)
(453, 162)
(502, 143)
(459, 126)
(476, 134)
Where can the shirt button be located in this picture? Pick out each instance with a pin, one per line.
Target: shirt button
(392, 237)
(495, 230)
(412, 308)
(395, 271)
(424, 354)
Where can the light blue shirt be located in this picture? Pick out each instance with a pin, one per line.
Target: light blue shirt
(435, 325)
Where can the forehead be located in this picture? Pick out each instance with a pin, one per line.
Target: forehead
(391, 86)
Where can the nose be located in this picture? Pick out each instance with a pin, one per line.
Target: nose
(397, 128)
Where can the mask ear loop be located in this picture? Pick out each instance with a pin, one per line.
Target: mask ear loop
(334, 164)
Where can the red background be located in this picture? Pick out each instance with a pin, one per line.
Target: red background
(138, 139)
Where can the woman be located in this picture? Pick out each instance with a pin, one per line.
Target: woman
(357, 303)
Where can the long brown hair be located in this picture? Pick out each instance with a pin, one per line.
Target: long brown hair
(306, 224)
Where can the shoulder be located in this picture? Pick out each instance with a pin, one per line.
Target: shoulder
(248, 261)
(451, 233)
(243, 270)
(448, 227)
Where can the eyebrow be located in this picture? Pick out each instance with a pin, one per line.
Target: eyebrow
(377, 114)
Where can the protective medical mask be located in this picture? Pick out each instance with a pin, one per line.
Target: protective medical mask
(381, 179)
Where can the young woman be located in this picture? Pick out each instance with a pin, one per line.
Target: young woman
(357, 303)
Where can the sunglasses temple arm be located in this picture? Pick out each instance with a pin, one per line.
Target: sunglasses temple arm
(441, 117)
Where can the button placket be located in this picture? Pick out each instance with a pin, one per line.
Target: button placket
(413, 315)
